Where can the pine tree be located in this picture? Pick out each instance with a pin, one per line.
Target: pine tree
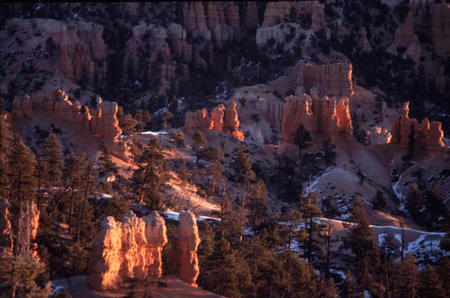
(435, 205)
(405, 278)
(18, 274)
(258, 203)
(225, 273)
(106, 170)
(199, 142)
(150, 176)
(350, 286)
(414, 201)
(309, 238)
(244, 174)
(365, 251)
(292, 218)
(430, 285)
(5, 143)
(216, 157)
(49, 164)
(379, 201)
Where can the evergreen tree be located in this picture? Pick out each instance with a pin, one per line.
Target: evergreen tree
(143, 118)
(216, 157)
(365, 260)
(18, 274)
(350, 286)
(435, 205)
(150, 176)
(49, 165)
(430, 285)
(292, 218)
(405, 278)
(379, 201)
(414, 201)
(199, 140)
(310, 240)
(244, 174)
(5, 142)
(106, 170)
(258, 203)
(225, 273)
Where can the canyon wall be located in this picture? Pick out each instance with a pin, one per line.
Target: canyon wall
(127, 250)
(132, 249)
(316, 115)
(102, 122)
(76, 49)
(428, 134)
(223, 119)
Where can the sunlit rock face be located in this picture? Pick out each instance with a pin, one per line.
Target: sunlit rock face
(128, 249)
(223, 118)
(429, 134)
(316, 115)
(186, 244)
(379, 135)
(28, 225)
(101, 122)
(6, 240)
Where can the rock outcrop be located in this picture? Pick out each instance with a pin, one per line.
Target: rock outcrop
(102, 122)
(379, 135)
(316, 115)
(76, 48)
(428, 134)
(326, 79)
(6, 240)
(223, 119)
(211, 21)
(276, 12)
(185, 248)
(127, 250)
(27, 230)
(440, 28)
(406, 38)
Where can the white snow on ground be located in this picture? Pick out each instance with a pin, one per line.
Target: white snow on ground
(153, 133)
(422, 244)
(175, 216)
(315, 182)
(338, 272)
(398, 237)
(381, 238)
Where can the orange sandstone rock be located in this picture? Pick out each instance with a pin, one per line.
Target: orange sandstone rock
(186, 244)
(429, 134)
(223, 119)
(320, 115)
(130, 249)
(6, 240)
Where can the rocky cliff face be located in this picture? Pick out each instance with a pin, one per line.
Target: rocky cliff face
(132, 249)
(186, 245)
(101, 122)
(76, 49)
(428, 134)
(440, 28)
(333, 79)
(223, 118)
(317, 116)
(128, 249)
(6, 240)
